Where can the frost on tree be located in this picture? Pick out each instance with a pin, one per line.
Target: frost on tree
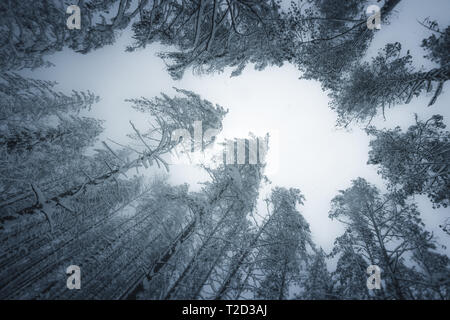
(287, 246)
(385, 230)
(32, 30)
(88, 210)
(416, 161)
(214, 34)
(327, 37)
(389, 79)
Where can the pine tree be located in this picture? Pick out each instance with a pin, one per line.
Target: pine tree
(35, 260)
(211, 35)
(317, 282)
(327, 37)
(32, 30)
(388, 80)
(286, 246)
(416, 161)
(220, 211)
(382, 230)
(154, 144)
(43, 139)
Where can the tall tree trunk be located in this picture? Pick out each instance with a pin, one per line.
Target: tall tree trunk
(137, 286)
(239, 263)
(191, 263)
(389, 5)
(387, 261)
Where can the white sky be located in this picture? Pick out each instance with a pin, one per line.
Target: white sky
(313, 155)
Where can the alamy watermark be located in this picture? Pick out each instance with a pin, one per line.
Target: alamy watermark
(374, 280)
(74, 279)
(374, 20)
(201, 146)
(74, 20)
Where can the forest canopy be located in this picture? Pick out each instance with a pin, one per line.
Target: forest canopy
(69, 196)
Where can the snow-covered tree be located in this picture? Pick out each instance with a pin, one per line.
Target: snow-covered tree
(214, 34)
(32, 30)
(416, 161)
(317, 282)
(327, 37)
(383, 230)
(389, 79)
(64, 206)
(219, 214)
(350, 274)
(34, 261)
(285, 246)
(154, 143)
(43, 139)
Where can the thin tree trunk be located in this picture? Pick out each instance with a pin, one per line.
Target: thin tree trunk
(239, 263)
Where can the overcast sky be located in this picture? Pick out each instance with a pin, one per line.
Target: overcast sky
(312, 154)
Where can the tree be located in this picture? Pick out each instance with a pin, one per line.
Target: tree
(154, 144)
(180, 112)
(36, 254)
(221, 207)
(32, 30)
(388, 80)
(430, 274)
(350, 274)
(211, 35)
(43, 139)
(383, 230)
(25, 101)
(266, 257)
(225, 273)
(223, 228)
(416, 161)
(79, 197)
(134, 239)
(206, 256)
(327, 37)
(285, 246)
(317, 282)
(437, 46)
